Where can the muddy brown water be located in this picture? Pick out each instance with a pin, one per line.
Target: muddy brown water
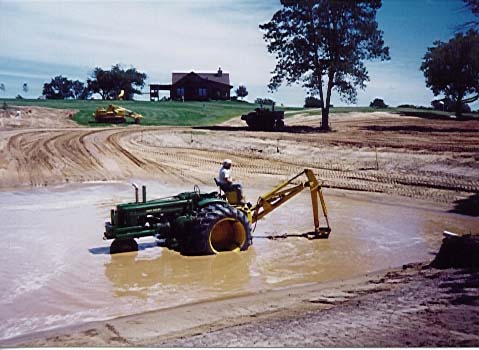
(55, 269)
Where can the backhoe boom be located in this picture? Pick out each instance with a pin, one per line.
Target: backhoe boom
(287, 190)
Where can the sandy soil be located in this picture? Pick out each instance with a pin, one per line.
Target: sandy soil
(36, 117)
(412, 306)
(435, 161)
(376, 152)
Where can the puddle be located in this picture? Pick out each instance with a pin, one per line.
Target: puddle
(56, 270)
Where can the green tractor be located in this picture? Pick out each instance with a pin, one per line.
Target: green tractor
(264, 119)
(196, 223)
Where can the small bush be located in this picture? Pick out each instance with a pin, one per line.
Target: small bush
(264, 101)
(312, 102)
(378, 103)
(406, 106)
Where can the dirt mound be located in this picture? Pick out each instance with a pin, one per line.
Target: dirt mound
(460, 251)
(21, 117)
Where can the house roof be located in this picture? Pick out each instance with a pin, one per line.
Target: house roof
(224, 78)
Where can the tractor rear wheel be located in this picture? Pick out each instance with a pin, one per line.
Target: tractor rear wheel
(219, 228)
(123, 246)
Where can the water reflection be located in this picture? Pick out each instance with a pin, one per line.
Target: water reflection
(133, 275)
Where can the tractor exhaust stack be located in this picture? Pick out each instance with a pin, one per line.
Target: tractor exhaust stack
(136, 192)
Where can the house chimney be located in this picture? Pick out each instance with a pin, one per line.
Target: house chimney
(220, 72)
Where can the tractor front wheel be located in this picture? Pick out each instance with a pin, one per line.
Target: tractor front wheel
(123, 246)
(219, 228)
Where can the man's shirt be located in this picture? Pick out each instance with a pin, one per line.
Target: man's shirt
(224, 174)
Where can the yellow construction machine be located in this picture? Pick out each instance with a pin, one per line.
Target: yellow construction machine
(287, 190)
(115, 114)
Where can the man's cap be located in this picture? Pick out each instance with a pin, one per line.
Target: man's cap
(227, 161)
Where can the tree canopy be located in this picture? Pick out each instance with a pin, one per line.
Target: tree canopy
(452, 69)
(264, 101)
(241, 91)
(312, 102)
(323, 43)
(109, 83)
(378, 103)
(60, 88)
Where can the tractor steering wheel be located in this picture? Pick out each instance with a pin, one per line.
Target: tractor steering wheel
(197, 191)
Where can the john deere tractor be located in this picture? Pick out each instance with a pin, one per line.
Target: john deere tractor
(198, 223)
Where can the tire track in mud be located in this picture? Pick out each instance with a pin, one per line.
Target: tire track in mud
(185, 155)
(247, 165)
(121, 141)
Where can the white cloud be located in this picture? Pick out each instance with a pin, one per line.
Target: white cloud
(154, 36)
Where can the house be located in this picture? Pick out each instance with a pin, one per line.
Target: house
(195, 86)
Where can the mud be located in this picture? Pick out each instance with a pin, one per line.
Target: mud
(411, 306)
(59, 271)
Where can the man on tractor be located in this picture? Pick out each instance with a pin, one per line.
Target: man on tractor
(226, 182)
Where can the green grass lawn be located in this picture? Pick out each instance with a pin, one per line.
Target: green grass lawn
(155, 113)
(195, 113)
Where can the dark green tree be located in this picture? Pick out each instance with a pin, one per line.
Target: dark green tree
(312, 102)
(452, 69)
(323, 44)
(58, 88)
(80, 91)
(241, 91)
(109, 83)
(264, 101)
(378, 103)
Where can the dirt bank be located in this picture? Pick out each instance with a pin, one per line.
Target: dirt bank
(375, 152)
(14, 117)
(412, 306)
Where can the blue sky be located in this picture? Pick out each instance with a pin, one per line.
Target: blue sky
(41, 39)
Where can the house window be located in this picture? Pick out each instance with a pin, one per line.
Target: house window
(202, 92)
(180, 91)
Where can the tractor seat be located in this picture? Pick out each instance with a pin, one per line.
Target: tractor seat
(221, 186)
(218, 184)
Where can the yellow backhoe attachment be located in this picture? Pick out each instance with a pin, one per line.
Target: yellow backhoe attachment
(115, 114)
(287, 190)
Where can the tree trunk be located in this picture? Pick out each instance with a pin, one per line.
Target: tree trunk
(325, 110)
(458, 107)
